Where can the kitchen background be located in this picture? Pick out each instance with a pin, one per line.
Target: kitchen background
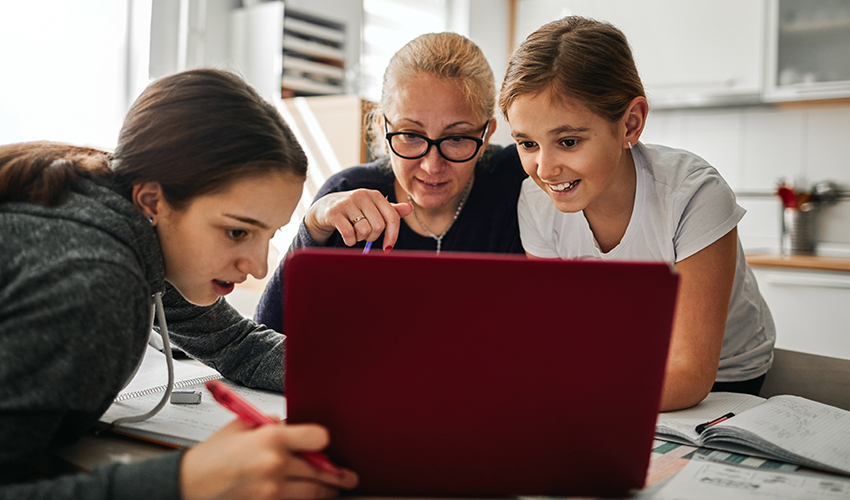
(761, 89)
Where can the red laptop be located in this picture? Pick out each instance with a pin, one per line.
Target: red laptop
(479, 375)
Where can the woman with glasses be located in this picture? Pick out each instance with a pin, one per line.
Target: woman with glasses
(442, 187)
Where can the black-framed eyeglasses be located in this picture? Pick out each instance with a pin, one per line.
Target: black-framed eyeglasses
(454, 148)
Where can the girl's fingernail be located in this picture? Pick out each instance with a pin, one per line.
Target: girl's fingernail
(388, 248)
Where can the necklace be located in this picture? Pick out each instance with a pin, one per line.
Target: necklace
(439, 238)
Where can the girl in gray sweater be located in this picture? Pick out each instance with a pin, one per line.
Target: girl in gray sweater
(204, 173)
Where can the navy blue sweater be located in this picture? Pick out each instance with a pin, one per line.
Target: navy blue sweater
(487, 223)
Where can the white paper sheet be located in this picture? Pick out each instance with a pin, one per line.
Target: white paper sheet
(710, 481)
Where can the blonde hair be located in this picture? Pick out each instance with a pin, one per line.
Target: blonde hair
(447, 56)
(575, 58)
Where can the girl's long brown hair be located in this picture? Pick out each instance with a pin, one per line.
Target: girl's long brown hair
(575, 58)
(44, 172)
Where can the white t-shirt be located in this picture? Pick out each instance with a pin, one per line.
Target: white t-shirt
(682, 205)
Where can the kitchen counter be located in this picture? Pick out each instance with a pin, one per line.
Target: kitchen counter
(804, 262)
(807, 296)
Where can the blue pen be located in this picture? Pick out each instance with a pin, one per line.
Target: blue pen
(367, 247)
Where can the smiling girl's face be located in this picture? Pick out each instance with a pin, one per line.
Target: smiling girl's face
(222, 237)
(579, 158)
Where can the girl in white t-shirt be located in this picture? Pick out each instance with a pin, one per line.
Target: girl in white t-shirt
(577, 108)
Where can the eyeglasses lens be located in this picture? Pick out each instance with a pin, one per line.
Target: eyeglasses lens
(452, 148)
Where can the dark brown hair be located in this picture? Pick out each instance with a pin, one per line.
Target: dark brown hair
(44, 172)
(193, 132)
(575, 58)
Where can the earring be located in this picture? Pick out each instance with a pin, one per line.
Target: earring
(630, 144)
(150, 219)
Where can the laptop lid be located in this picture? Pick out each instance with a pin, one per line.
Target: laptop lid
(479, 375)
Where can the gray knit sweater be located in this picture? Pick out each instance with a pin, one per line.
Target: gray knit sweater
(76, 286)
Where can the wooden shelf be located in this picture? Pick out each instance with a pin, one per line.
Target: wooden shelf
(310, 86)
(312, 49)
(296, 64)
(313, 55)
(313, 30)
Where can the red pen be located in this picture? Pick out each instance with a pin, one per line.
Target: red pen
(702, 427)
(249, 413)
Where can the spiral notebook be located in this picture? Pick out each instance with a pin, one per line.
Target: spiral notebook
(152, 377)
(179, 425)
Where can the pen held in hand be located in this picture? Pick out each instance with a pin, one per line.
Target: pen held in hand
(367, 247)
(702, 427)
(249, 413)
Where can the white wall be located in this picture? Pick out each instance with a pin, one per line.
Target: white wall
(755, 147)
(488, 28)
(64, 71)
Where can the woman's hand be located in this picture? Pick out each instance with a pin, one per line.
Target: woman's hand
(241, 461)
(362, 214)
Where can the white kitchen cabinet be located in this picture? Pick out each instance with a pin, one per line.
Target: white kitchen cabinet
(811, 309)
(807, 47)
(688, 53)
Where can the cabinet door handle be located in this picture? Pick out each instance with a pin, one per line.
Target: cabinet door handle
(812, 281)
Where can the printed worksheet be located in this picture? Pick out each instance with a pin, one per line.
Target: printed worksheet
(710, 481)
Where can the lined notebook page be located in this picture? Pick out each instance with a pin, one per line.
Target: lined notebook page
(180, 425)
(806, 428)
(152, 375)
(184, 424)
(683, 422)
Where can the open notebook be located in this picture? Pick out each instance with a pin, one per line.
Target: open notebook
(786, 428)
(479, 375)
(180, 425)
